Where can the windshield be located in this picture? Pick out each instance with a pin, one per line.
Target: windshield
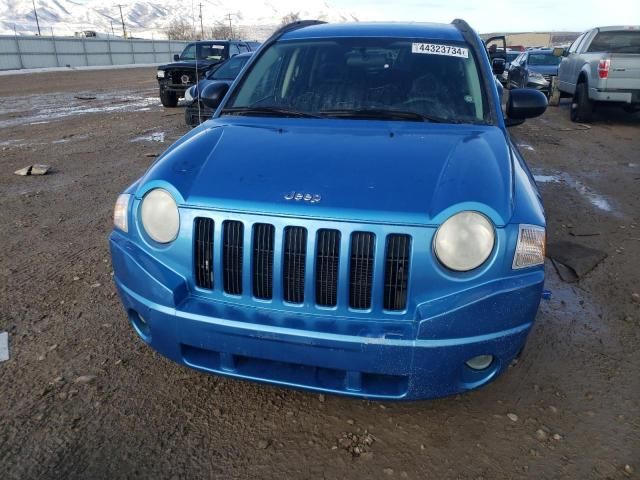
(512, 56)
(543, 59)
(616, 42)
(230, 69)
(338, 76)
(211, 52)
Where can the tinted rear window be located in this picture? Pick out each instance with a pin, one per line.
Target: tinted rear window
(616, 42)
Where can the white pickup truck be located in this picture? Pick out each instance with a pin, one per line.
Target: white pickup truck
(602, 65)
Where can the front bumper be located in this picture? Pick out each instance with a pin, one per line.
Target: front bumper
(422, 358)
(537, 84)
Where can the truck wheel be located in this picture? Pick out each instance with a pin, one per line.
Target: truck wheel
(554, 93)
(169, 99)
(581, 106)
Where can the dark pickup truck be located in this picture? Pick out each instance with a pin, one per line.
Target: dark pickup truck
(193, 63)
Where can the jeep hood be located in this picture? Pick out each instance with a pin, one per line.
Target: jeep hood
(202, 65)
(370, 171)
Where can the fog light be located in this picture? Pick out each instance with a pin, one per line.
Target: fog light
(140, 325)
(480, 362)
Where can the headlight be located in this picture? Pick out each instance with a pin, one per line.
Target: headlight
(464, 241)
(160, 216)
(160, 74)
(530, 249)
(188, 95)
(121, 212)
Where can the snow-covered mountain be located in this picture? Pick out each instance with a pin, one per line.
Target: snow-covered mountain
(255, 18)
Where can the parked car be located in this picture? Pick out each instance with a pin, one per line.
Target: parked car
(355, 219)
(602, 65)
(533, 69)
(196, 111)
(197, 58)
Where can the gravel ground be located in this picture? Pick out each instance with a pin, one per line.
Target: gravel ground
(82, 397)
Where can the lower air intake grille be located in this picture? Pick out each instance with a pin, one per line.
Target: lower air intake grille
(295, 254)
(233, 238)
(396, 272)
(204, 253)
(361, 274)
(263, 239)
(327, 259)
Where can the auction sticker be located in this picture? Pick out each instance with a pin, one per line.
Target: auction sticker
(438, 49)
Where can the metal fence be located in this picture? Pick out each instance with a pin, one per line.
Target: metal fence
(19, 52)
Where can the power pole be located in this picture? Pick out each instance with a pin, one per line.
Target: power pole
(124, 30)
(112, 31)
(201, 24)
(36, 14)
(230, 26)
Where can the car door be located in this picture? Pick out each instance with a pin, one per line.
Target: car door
(515, 72)
(567, 75)
(497, 47)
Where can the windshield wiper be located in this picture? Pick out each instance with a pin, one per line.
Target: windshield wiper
(380, 113)
(267, 111)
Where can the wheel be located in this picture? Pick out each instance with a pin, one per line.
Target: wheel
(581, 106)
(168, 99)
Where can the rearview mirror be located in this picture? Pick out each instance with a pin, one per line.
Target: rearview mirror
(176, 57)
(498, 65)
(525, 103)
(558, 52)
(213, 94)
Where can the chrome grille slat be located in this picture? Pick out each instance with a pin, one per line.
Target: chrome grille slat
(263, 237)
(203, 258)
(396, 272)
(361, 270)
(295, 246)
(327, 260)
(232, 256)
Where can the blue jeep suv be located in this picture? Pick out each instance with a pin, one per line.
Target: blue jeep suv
(354, 219)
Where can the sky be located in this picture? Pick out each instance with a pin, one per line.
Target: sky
(497, 15)
(502, 16)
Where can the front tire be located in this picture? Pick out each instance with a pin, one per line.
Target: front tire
(581, 106)
(168, 99)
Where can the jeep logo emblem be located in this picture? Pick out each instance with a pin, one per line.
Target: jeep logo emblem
(303, 197)
(185, 79)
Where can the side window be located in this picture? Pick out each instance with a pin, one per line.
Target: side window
(583, 43)
(243, 48)
(189, 53)
(233, 49)
(574, 45)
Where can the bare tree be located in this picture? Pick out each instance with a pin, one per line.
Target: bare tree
(290, 18)
(180, 30)
(219, 31)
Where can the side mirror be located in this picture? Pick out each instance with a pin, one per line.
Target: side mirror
(176, 57)
(559, 52)
(498, 65)
(524, 103)
(213, 94)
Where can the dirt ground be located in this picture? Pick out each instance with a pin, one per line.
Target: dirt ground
(83, 397)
